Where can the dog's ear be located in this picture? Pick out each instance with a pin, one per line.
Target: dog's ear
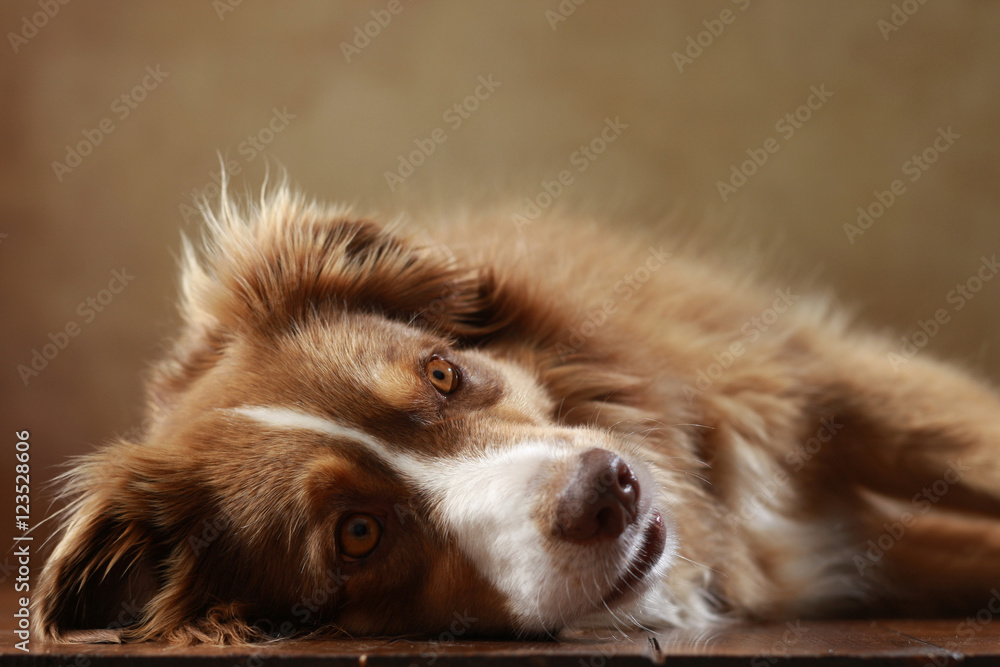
(102, 572)
(266, 269)
(137, 557)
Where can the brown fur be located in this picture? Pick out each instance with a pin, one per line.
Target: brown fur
(208, 528)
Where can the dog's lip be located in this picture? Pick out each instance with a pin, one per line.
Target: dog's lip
(654, 541)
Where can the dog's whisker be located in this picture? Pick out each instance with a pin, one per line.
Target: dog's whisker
(701, 565)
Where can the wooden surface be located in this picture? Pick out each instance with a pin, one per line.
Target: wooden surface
(903, 642)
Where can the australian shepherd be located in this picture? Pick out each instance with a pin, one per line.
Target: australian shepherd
(522, 428)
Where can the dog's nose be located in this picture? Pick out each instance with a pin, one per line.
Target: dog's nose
(600, 500)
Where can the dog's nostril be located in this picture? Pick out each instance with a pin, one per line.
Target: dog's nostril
(601, 499)
(627, 484)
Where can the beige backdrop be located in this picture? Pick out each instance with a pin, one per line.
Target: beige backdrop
(337, 108)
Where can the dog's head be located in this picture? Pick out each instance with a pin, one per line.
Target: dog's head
(358, 432)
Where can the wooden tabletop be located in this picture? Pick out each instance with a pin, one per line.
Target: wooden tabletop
(870, 643)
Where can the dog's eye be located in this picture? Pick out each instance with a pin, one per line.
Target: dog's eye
(359, 535)
(442, 374)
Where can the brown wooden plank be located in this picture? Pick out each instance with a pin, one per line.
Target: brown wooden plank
(797, 639)
(970, 637)
(634, 650)
(868, 643)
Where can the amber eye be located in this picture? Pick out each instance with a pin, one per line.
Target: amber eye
(359, 535)
(442, 375)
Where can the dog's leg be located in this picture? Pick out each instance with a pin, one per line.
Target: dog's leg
(936, 563)
(911, 428)
(921, 440)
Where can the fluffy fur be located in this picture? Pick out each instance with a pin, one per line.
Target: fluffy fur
(763, 460)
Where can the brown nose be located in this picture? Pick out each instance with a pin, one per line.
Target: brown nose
(600, 500)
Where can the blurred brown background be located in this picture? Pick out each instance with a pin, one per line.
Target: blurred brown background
(213, 75)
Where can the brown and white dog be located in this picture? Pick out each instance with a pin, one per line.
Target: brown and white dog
(365, 433)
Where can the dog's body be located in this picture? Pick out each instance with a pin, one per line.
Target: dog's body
(369, 434)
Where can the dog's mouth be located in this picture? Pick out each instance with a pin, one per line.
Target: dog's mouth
(654, 539)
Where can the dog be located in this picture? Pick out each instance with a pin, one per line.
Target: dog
(362, 431)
